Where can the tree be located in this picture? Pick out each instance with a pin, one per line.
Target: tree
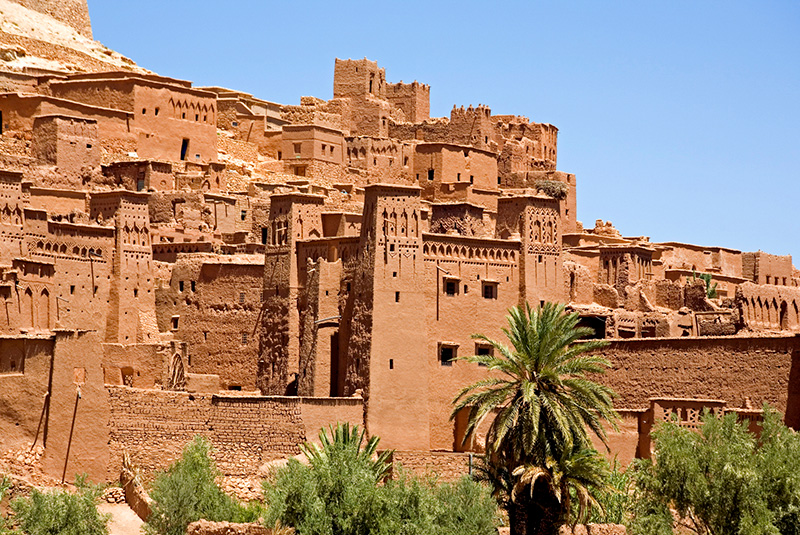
(722, 479)
(544, 407)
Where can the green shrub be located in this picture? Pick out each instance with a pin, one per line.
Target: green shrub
(188, 492)
(340, 492)
(61, 512)
(721, 480)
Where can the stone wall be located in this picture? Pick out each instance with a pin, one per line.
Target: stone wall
(446, 466)
(205, 527)
(245, 431)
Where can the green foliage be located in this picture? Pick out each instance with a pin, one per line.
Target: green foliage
(345, 445)
(711, 290)
(188, 492)
(340, 493)
(61, 512)
(615, 498)
(553, 188)
(721, 480)
(545, 406)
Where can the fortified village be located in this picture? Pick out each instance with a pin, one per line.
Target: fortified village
(180, 260)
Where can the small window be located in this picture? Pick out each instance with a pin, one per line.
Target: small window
(348, 286)
(194, 285)
(296, 147)
(157, 110)
(235, 388)
(244, 338)
(144, 111)
(88, 145)
(430, 174)
(72, 289)
(391, 364)
(180, 286)
(405, 161)
(498, 181)
(280, 155)
(183, 115)
(244, 215)
(175, 322)
(264, 235)
(489, 290)
(471, 179)
(234, 123)
(483, 349)
(450, 287)
(136, 292)
(447, 354)
(241, 298)
(197, 117)
(391, 247)
(458, 177)
(397, 297)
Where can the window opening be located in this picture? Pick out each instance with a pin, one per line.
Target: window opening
(184, 148)
(447, 354)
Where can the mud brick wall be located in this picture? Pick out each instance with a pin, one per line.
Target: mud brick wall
(154, 426)
(445, 465)
(727, 368)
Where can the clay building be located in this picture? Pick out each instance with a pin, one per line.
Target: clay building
(202, 260)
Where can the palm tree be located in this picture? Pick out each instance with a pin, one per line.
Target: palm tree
(544, 407)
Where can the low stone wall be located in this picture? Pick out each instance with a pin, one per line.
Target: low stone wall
(154, 426)
(204, 527)
(447, 466)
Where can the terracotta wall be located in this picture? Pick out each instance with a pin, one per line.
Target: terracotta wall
(727, 368)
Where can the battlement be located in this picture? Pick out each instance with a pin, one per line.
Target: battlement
(469, 112)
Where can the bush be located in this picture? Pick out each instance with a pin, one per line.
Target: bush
(721, 480)
(62, 512)
(340, 492)
(188, 492)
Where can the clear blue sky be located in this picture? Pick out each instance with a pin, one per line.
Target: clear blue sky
(681, 119)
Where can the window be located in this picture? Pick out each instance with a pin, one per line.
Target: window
(235, 388)
(194, 285)
(180, 286)
(72, 289)
(430, 174)
(450, 287)
(498, 181)
(280, 155)
(244, 338)
(184, 148)
(264, 235)
(490, 290)
(483, 349)
(296, 147)
(447, 354)
(458, 177)
(136, 292)
(391, 364)
(471, 179)
(244, 215)
(234, 123)
(157, 110)
(175, 322)
(397, 297)
(241, 298)
(144, 111)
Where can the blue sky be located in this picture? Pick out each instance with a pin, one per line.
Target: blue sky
(681, 119)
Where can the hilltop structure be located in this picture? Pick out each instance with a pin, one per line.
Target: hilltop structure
(201, 260)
